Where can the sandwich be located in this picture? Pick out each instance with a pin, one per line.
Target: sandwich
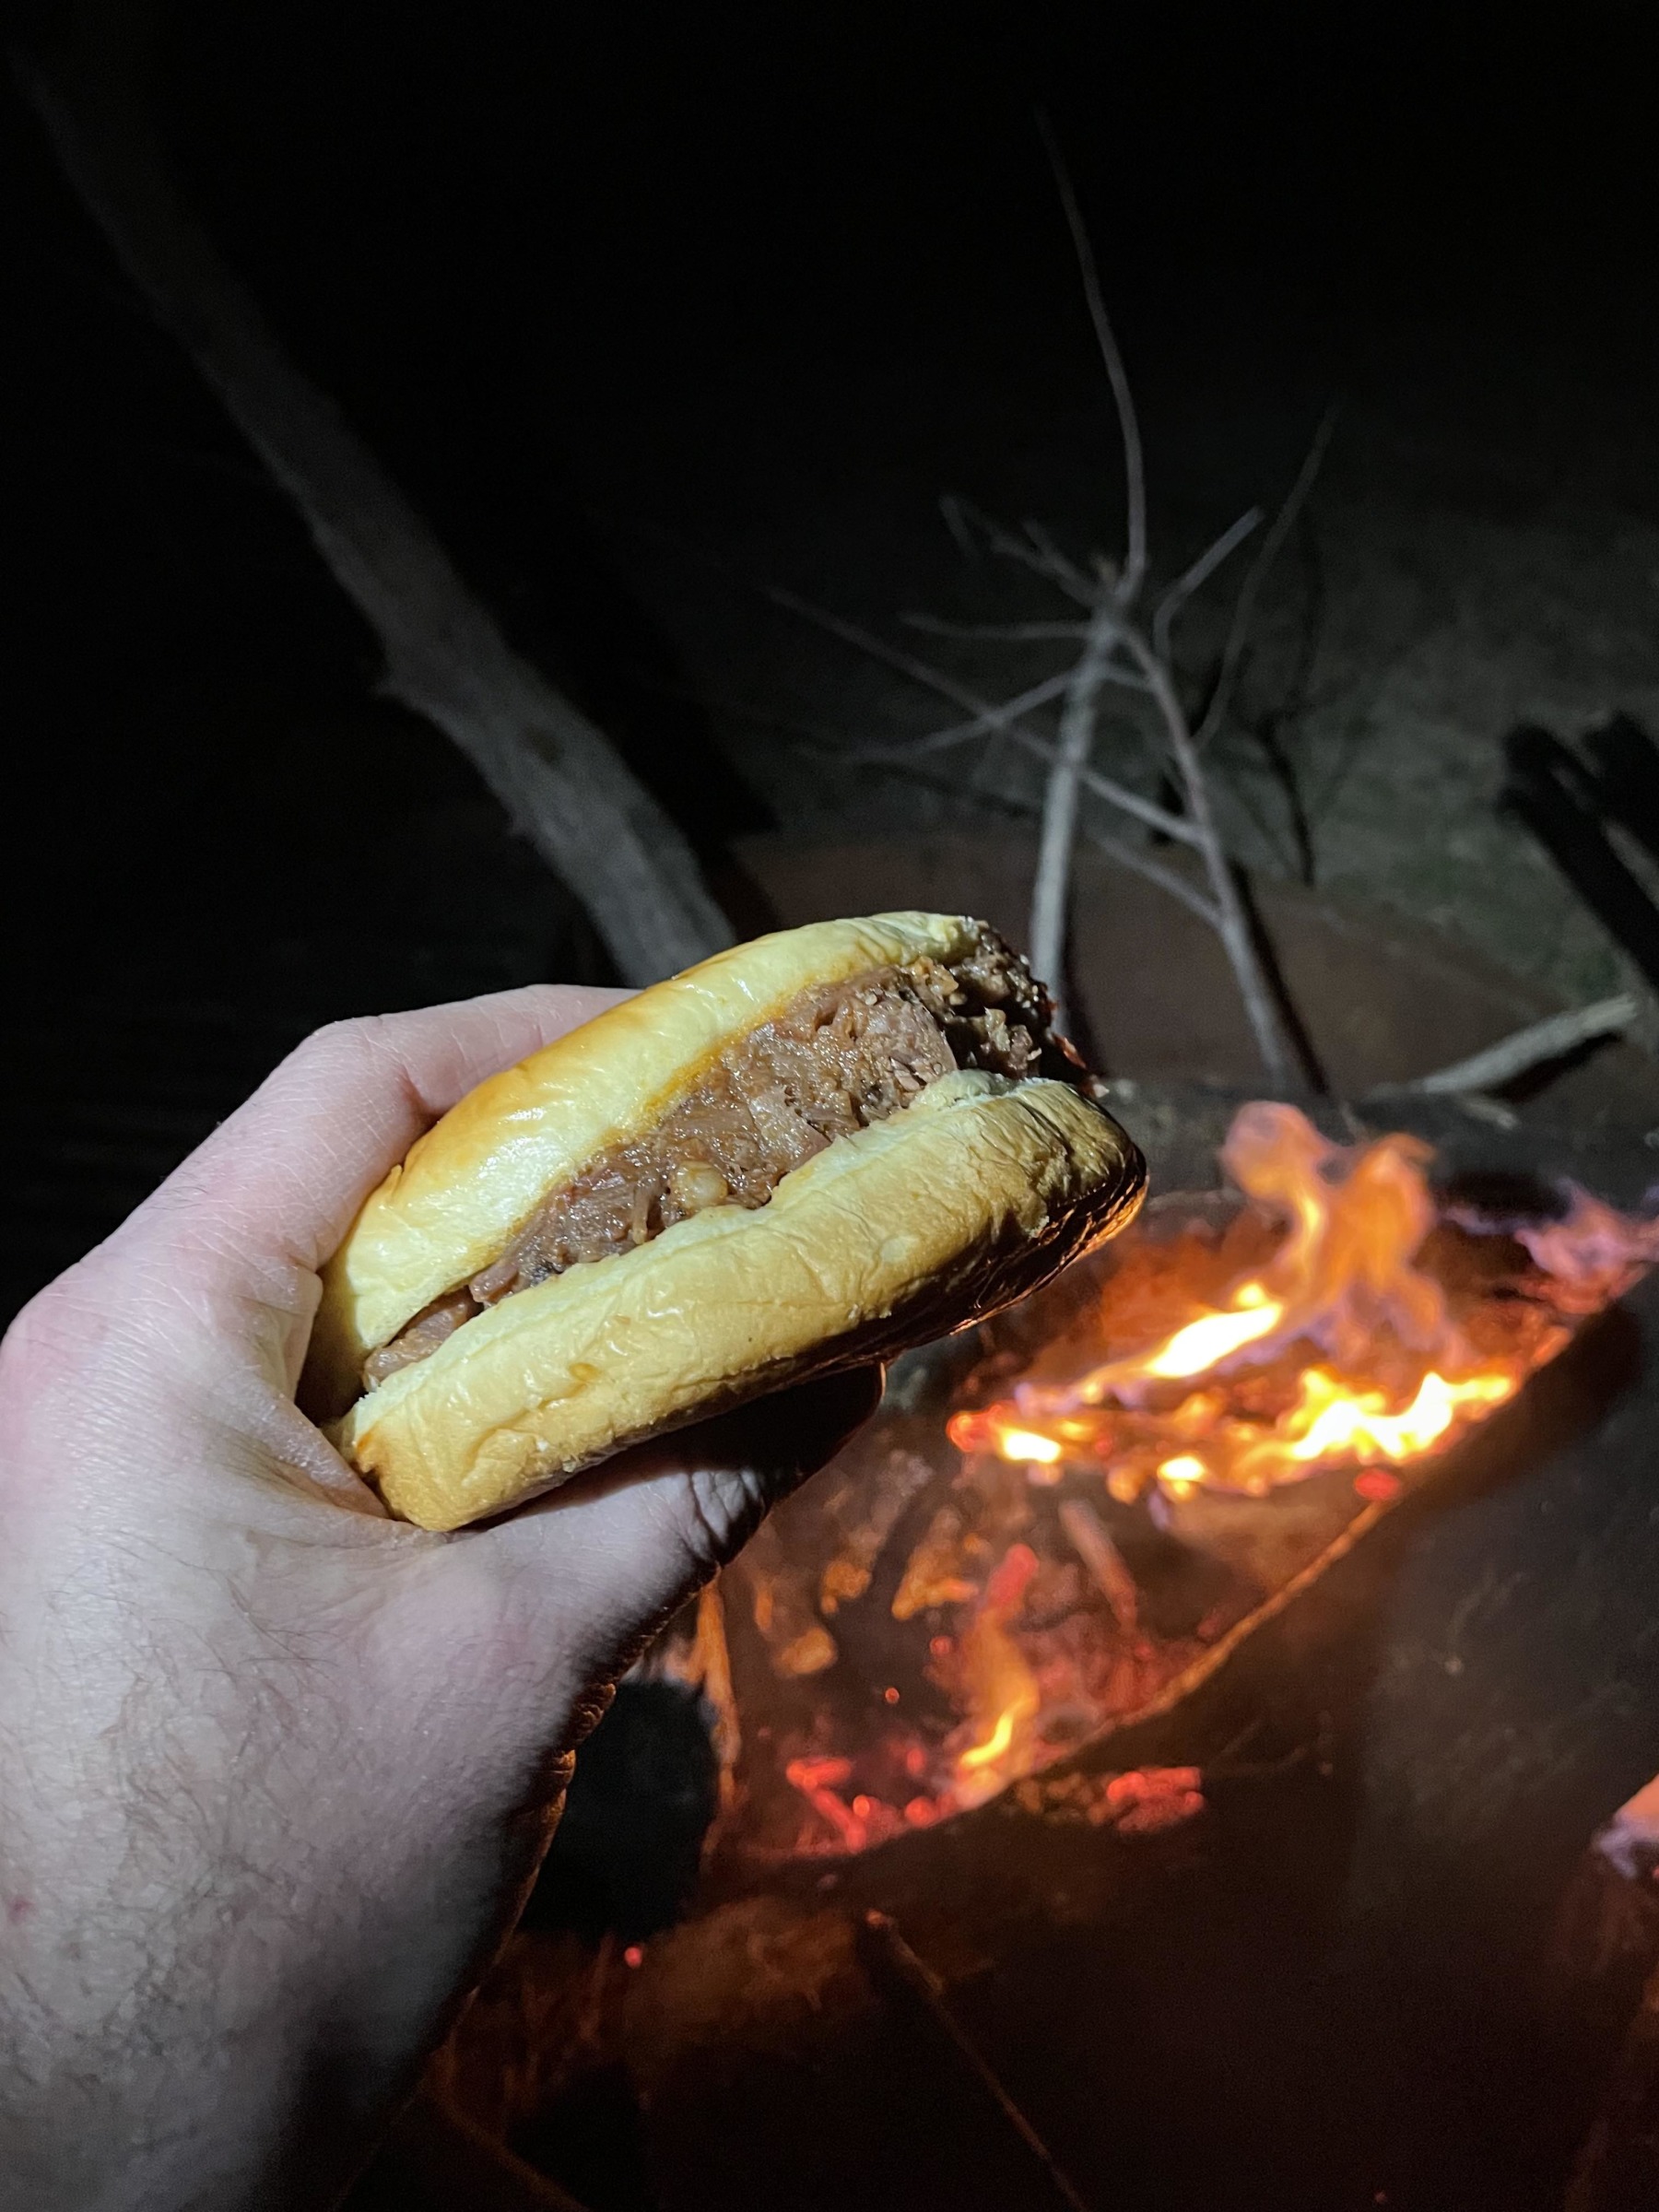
(808, 1153)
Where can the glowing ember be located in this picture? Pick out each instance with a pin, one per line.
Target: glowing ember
(1090, 1545)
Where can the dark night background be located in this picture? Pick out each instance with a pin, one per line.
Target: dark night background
(621, 294)
(642, 306)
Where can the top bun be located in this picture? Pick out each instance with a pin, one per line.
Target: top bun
(472, 1182)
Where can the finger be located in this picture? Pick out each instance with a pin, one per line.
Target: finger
(282, 1178)
(611, 1556)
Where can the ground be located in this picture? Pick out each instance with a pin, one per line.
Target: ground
(1462, 569)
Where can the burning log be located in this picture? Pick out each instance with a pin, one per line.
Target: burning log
(1148, 1462)
(1104, 1561)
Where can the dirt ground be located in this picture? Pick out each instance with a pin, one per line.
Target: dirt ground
(1474, 556)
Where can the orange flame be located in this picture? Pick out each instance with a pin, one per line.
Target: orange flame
(1215, 1336)
(1002, 1693)
(1342, 1276)
(1356, 1356)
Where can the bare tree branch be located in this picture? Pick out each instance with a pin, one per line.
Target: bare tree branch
(987, 715)
(1233, 922)
(1051, 893)
(1195, 578)
(1267, 551)
(1134, 468)
(1040, 554)
(1020, 634)
(562, 781)
(994, 719)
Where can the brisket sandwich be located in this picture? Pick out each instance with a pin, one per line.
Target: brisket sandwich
(807, 1153)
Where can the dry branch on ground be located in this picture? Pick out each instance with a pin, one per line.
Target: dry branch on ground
(564, 785)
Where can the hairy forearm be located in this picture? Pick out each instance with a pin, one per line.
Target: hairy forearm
(215, 1980)
(188, 2036)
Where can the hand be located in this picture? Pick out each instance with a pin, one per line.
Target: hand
(275, 1771)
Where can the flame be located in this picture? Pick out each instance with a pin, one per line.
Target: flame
(1210, 1339)
(1340, 1349)
(1342, 1276)
(1592, 1252)
(1339, 1420)
(1002, 1693)
(1185, 1469)
(1026, 1444)
(995, 1744)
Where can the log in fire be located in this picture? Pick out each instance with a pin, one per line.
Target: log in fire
(1064, 1525)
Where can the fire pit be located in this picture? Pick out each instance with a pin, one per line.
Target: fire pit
(1255, 1897)
(1067, 1524)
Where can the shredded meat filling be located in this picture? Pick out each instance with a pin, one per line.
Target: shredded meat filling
(839, 1058)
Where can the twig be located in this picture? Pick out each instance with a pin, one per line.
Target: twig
(987, 715)
(885, 1949)
(1528, 1048)
(1266, 553)
(955, 512)
(710, 1670)
(1195, 578)
(1091, 1540)
(434, 2153)
(1051, 893)
(1233, 923)
(1127, 856)
(1037, 552)
(1178, 889)
(1018, 634)
(995, 718)
(1174, 826)
(1134, 469)
(1060, 564)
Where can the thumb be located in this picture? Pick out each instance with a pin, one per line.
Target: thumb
(615, 1554)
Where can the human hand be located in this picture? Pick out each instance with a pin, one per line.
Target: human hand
(277, 1771)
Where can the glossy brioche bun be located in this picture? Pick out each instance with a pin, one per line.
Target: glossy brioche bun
(972, 1195)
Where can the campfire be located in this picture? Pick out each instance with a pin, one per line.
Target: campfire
(1329, 1329)
(1070, 1522)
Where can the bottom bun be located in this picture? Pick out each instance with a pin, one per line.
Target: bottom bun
(919, 1225)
